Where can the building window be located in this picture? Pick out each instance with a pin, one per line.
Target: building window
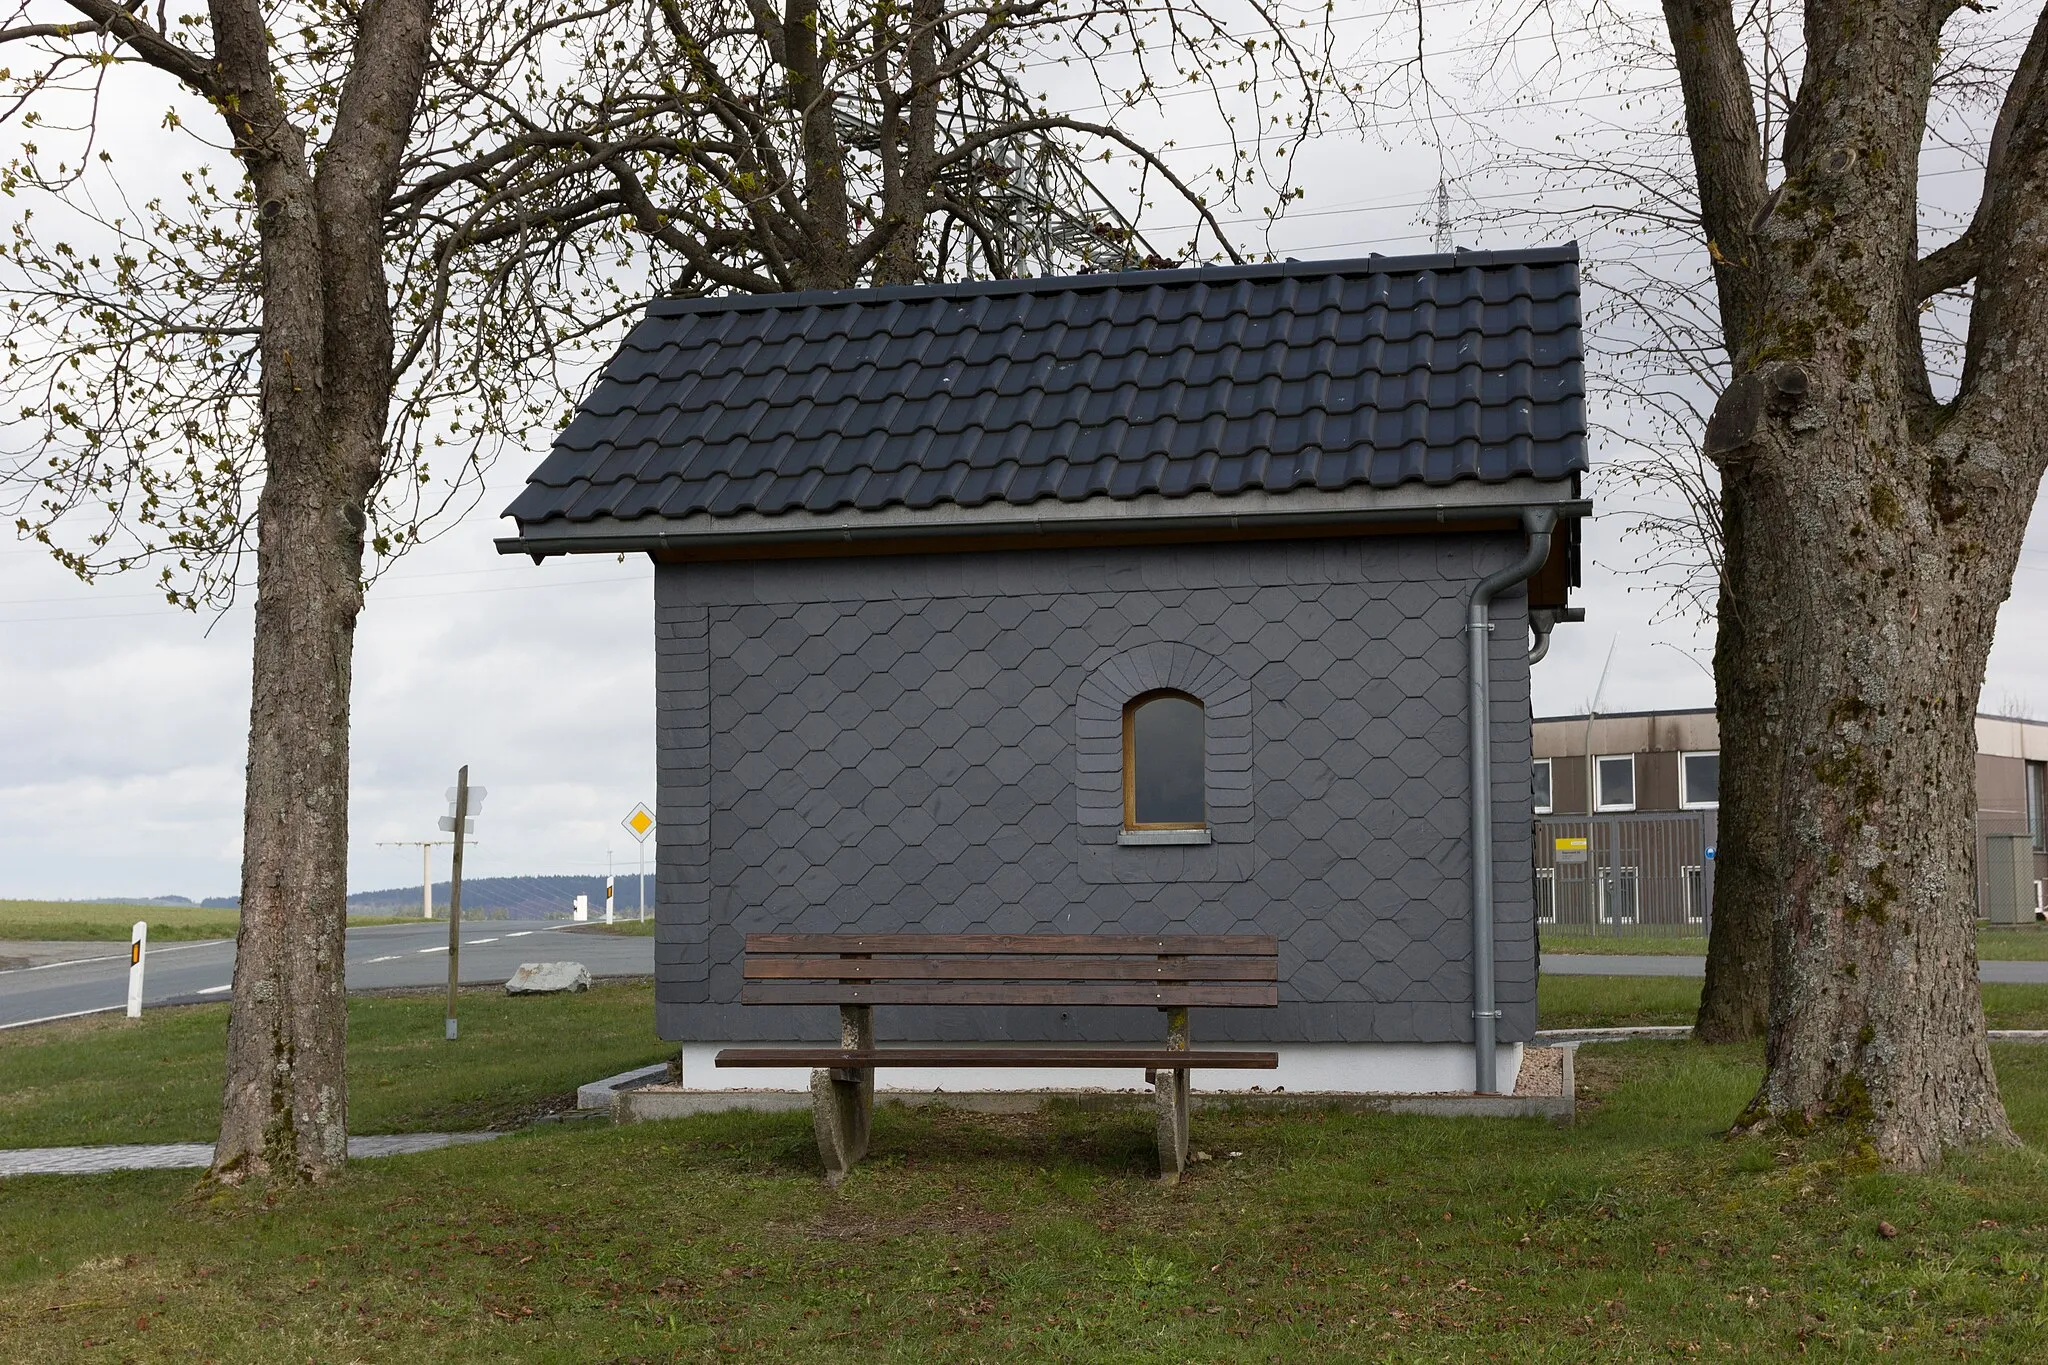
(1616, 779)
(1539, 782)
(1699, 781)
(1163, 767)
(2037, 804)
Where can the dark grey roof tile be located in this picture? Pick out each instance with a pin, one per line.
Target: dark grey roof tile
(1303, 375)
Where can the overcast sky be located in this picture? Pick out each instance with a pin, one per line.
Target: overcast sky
(122, 720)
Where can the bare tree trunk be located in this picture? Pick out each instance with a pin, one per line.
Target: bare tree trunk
(284, 1110)
(326, 396)
(1876, 1017)
(1871, 535)
(1735, 1000)
(1729, 160)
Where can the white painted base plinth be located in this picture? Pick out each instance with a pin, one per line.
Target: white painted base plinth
(1321, 1068)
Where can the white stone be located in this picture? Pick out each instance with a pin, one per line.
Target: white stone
(548, 978)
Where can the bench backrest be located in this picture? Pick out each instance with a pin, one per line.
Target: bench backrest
(1166, 971)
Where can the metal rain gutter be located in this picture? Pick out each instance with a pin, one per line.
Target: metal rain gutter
(1538, 522)
(853, 533)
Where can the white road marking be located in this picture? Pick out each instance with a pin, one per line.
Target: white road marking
(215, 990)
(388, 957)
(442, 949)
(521, 934)
(154, 951)
(473, 942)
(53, 1018)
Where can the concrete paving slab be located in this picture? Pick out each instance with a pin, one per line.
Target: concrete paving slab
(174, 1156)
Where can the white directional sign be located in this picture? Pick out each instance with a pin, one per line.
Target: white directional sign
(476, 804)
(640, 823)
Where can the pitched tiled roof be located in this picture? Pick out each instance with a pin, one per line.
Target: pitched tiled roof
(1307, 374)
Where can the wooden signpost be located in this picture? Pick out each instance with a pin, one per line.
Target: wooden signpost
(462, 800)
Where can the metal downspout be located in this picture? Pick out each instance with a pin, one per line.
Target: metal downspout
(1538, 523)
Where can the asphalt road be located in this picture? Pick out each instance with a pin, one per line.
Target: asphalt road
(1602, 964)
(378, 956)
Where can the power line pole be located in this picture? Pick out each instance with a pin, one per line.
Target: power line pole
(426, 868)
(1443, 214)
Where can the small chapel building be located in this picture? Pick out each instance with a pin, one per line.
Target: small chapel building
(1127, 603)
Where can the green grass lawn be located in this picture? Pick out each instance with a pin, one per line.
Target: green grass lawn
(90, 922)
(2021, 943)
(104, 1079)
(631, 928)
(1640, 1234)
(1617, 1001)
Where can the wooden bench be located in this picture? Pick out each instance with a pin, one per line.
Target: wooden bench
(857, 972)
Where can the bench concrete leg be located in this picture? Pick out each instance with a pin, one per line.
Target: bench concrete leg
(1170, 1102)
(843, 1101)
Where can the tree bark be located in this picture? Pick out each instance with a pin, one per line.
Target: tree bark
(1872, 534)
(326, 394)
(1729, 164)
(1735, 998)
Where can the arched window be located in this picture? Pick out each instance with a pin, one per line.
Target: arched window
(1163, 768)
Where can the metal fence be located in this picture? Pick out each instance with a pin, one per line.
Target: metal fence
(1651, 874)
(2011, 868)
(1648, 874)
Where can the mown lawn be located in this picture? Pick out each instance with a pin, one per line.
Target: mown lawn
(1640, 1234)
(1616, 1001)
(104, 1079)
(2020, 943)
(630, 928)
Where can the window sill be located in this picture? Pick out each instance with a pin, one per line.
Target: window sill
(1161, 838)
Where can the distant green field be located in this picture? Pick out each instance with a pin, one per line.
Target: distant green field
(2021, 943)
(90, 922)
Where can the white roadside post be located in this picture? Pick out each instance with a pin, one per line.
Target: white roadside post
(463, 803)
(639, 823)
(138, 945)
(607, 898)
(582, 911)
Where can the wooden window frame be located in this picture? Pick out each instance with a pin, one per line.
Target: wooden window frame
(1130, 756)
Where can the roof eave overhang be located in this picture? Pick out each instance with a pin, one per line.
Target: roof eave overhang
(1467, 505)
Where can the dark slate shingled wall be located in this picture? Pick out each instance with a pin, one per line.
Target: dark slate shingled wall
(905, 744)
(1308, 374)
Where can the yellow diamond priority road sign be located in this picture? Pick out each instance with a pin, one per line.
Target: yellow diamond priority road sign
(640, 823)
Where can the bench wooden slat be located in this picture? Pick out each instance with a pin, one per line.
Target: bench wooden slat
(1163, 994)
(1009, 969)
(1072, 945)
(1155, 1058)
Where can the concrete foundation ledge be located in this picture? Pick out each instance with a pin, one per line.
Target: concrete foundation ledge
(647, 1103)
(604, 1094)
